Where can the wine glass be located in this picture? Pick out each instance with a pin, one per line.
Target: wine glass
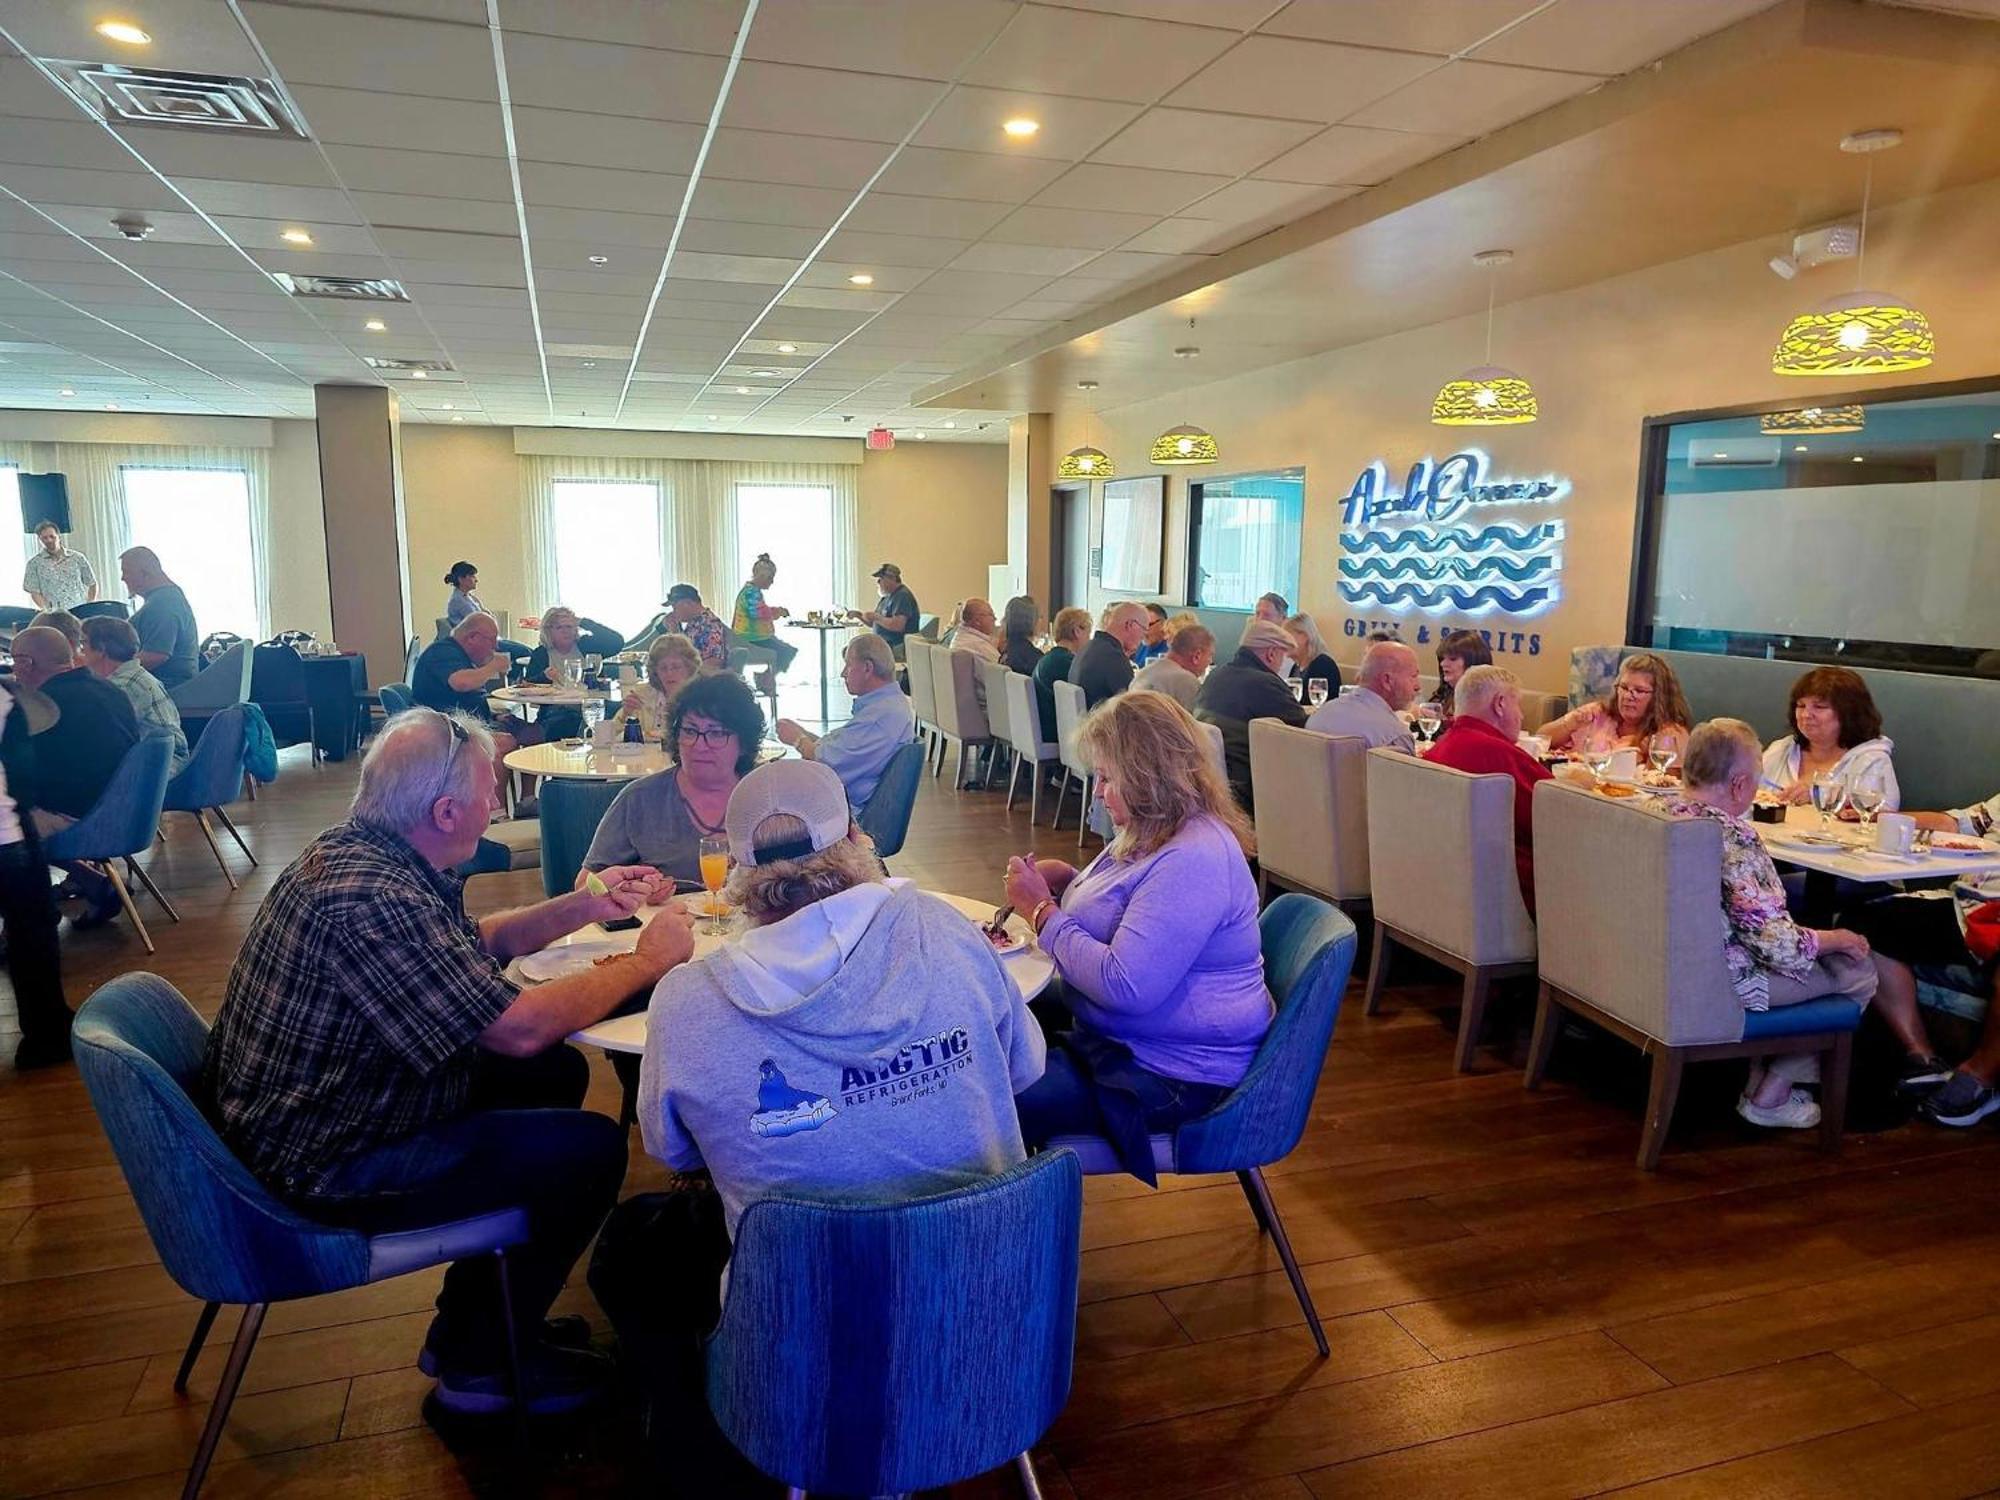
(1430, 718)
(1316, 691)
(1828, 793)
(714, 873)
(1598, 758)
(1662, 757)
(1298, 687)
(1867, 800)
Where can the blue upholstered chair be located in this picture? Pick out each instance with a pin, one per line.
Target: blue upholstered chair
(1308, 951)
(396, 698)
(886, 818)
(570, 812)
(125, 821)
(806, 1379)
(213, 778)
(221, 1236)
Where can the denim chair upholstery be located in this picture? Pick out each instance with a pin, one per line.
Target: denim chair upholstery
(278, 686)
(397, 698)
(1030, 738)
(569, 815)
(808, 1377)
(886, 818)
(212, 779)
(124, 821)
(1308, 953)
(219, 1233)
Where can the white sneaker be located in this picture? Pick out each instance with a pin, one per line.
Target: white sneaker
(1800, 1111)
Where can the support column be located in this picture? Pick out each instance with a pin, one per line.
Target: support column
(1031, 477)
(361, 494)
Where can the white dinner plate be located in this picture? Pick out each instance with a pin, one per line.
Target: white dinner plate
(568, 958)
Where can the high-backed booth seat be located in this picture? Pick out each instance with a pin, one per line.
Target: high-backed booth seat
(1631, 938)
(1312, 828)
(993, 677)
(1441, 870)
(1946, 729)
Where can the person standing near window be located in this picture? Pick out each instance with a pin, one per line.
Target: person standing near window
(169, 642)
(58, 578)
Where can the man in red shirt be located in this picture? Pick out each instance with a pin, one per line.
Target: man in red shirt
(1480, 739)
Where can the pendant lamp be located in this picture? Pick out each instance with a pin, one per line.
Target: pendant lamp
(1086, 462)
(1814, 419)
(1487, 395)
(1864, 332)
(1186, 445)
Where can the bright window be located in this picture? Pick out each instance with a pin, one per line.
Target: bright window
(10, 505)
(608, 550)
(794, 523)
(1244, 538)
(198, 521)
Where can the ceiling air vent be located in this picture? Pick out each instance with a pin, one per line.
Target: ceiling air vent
(190, 101)
(353, 288)
(409, 366)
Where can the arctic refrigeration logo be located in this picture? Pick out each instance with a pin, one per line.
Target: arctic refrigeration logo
(1402, 550)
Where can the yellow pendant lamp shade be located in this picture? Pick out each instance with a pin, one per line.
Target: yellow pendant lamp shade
(1862, 333)
(1814, 419)
(1181, 446)
(1485, 397)
(1085, 463)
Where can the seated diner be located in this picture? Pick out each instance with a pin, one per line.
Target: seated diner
(1458, 651)
(671, 663)
(1837, 733)
(1481, 740)
(882, 723)
(1645, 710)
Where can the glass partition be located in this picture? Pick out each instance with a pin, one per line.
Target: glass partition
(1244, 538)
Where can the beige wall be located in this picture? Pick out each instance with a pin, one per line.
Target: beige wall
(938, 511)
(1692, 335)
(462, 500)
(299, 592)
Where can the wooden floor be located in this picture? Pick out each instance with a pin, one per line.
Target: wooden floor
(1513, 1309)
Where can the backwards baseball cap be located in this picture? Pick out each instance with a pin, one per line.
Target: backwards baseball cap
(888, 570)
(803, 789)
(683, 591)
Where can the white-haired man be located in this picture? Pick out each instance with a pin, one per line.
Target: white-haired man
(1103, 668)
(1249, 686)
(1386, 685)
(1485, 723)
(882, 722)
(376, 1068)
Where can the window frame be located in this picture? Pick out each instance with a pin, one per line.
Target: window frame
(1190, 589)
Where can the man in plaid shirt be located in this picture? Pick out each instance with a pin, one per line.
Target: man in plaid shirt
(375, 1067)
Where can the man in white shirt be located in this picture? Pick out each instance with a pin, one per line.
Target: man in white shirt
(58, 578)
(1178, 674)
(974, 632)
(1387, 683)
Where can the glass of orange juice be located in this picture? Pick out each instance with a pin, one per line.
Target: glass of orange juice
(714, 873)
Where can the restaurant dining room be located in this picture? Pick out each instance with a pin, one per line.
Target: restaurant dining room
(1191, 749)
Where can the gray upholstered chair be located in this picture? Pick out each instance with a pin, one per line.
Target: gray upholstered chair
(1538, 708)
(918, 656)
(993, 695)
(1632, 939)
(1312, 829)
(1070, 710)
(961, 716)
(1441, 868)
(1211, 736)
(223, 683)
(1032, 746)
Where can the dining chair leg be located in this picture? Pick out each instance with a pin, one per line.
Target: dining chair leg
(201, 1327)
(225, 1397)
(1256, 1206)
(1034, 794)
(1254, 1181)
(1013, 782)
(1471, 1015)
(1062, 791)
(1660, 1106)
(1542, 1044)
(223, 817)
(1378, 971)
(201, 822)
(517, 1384)
(131, 911)
(1089, 803)
(1024, 1465)
(1834, 1066)
(151, 889)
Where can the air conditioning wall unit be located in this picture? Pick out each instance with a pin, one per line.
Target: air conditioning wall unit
(1751, 452)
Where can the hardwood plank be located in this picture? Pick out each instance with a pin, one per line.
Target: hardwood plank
(285, 1360)
(1952, 1362)
(1125, 1325)
(32, 1189)
(90, 1393)
(385, 1401)
(1621, 1442)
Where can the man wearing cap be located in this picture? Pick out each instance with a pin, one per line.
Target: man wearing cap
(700, 624)
(896, 615)
(1244, 688)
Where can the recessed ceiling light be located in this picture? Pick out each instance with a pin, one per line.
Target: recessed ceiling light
(919, 436)
(111, 406)
(420, 375)
(376, 325)
(713, 418)
(788, 348)
(600, 260)
(1021, 127)
(124, 31)
(295, 237)
(458, 419)
(1857, 458)
(862, 278)
(774, 372)
(448, 406)
(1800, 448)
(951, 424)
(743, 390)
(67, 391)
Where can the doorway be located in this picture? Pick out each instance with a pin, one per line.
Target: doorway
(1069, 539)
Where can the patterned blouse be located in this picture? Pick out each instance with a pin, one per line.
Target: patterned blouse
(709, 638)
(1762, 936)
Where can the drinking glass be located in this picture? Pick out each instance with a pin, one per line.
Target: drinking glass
(1298, 687)
(1828, 793)
(592, 665)
(1598, 758)
(714, 874)
(1662, 757)
(1867, 800)
(1430, 718)
(1316, 691)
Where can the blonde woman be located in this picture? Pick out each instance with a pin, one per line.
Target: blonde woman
(1070, 630)
(1310, 656)
(1644, 708)
(672, 662)
(1156, 940)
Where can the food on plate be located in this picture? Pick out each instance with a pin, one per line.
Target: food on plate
(1617, 788)
(1959, 843)
(1003, 941)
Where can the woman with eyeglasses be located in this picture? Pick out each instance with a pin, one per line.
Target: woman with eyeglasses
(713, 730)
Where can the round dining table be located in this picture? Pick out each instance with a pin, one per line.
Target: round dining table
(1027, 965)
(823, 628)
(579, 760)
(532, 695)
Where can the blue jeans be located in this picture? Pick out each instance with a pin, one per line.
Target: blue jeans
(1094, 1086)
(523, 1143)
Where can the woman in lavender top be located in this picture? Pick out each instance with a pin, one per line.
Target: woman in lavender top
(1156, 941)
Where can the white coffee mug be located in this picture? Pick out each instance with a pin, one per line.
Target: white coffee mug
(1895, 833)
(1624, 765)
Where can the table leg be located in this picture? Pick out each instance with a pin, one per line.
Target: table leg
(823, 634)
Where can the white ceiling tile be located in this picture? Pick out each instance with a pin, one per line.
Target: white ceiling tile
(894, 249)
(1439, 27)
(924, 171)
(550, 185)
(683, 25)
(601, 229)
(62, 143)
(595, 140)
(761, 270)
(390, 54)
(728, 238)
(1253, 202)
(113, 190)
(1095, 56)
(1128, 266)
(361, 117)
(1044, 260)
(820, 101)
(1093, 186)
(553, 72)
(372, 169)
(1356, 154)
(909, 38)
(799, 160)
(1181, 236)
(767, 203)
(1470, 98)
(1061, 226)
(1196, 141)
(850, 300)
(1300, 80)
(1237, 15)
(1612, 36)
(887, 278)
(414, 211)
(955, 218)
(970, 120)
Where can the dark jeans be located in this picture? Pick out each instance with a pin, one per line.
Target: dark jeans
(34, 953)
(523, 1142)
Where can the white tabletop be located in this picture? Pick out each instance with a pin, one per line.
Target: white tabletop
(550, 696)
(581, 761)
(825, 624)
(1029, 968)
(1857, 859)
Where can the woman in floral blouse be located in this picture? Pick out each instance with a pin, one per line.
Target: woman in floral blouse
(1772, 960)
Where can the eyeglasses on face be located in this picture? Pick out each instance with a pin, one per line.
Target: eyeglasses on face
(715, 739)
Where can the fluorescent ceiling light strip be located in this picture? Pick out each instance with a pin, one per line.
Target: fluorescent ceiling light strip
(687, 200)
(520, 203)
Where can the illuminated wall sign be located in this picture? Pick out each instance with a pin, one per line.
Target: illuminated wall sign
(1424, 548)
